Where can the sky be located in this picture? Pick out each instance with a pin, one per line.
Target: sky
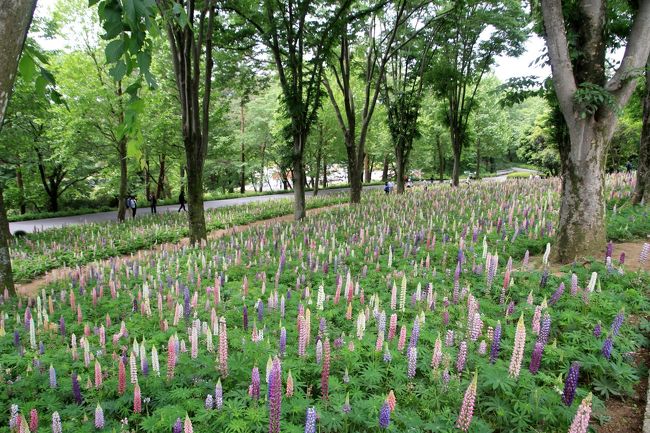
(506, 67)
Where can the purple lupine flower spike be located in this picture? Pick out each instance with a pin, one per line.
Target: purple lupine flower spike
(384, 416)
(496, 343)
(571, 383)
(607, 347)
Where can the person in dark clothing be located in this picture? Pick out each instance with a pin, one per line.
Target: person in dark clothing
(134, 205)
(154, 201)
(628, 167)
(181, 200)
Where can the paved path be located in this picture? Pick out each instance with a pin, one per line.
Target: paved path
(48, 223)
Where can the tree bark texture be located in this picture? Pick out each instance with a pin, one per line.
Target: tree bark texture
(642, 188)
(581, 230)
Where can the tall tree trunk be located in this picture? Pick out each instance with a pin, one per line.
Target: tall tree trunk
(478, 158)
(319, 155)
(195, 211)
(355, 174)
(53, 197)
(121, 205)
(298, 177)
(457, 145)
(367, 171)
(582, 210)
(15, 18)
(6, 274)
(642, 189)
(384, 172)
(21, 189)
(147, 179)
(160, 187)
(400, 163)
(441, 159)
(242, 175)
(324, 171)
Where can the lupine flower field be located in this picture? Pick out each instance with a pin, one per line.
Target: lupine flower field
(431, 311)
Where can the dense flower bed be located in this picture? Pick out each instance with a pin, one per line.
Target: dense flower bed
(74, 245)
(418, 312)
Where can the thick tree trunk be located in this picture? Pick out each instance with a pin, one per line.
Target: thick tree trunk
(262, 165)
(642, 189)
(160, 188)
(367, 170)
(319, 155)
(582, 210)
(384, 172)
(195, 212)
(400, 162)
(298, 178)
(455, 174)
(53, 197)
(121, 204)
(21, 189)
(242, 174)
(6, 275)
(441, 159)
(355, 174)
(15, 18)
(324, 172)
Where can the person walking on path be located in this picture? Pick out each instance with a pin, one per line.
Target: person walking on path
(127, 203)
(181, 200)
(154, 201)
(134, 205)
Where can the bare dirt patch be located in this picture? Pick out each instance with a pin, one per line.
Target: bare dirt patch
(626, 414)
(32, 287)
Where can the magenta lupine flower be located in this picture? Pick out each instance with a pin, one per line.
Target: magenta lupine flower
(384, 416)
(310, 420)
(245, 317)
(171, 358)
(621, 258)
(462, 357)
(571, 383)
(445, 317)
(33, 420)
(537, 315)
(275, 397)
(137, 399)
(99, 417)
(536, 357)
(618, 321)
(392, 326)
(580, 422)
(467, 408)
(325, 373)
(254, 390)
(518, 349)
(412, 355)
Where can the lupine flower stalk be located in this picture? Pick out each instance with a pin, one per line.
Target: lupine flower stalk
(571, 383)
(580, 422)
(325, 373)
(384, 416)
(467, 408)
(275, 396)
(518, 350)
